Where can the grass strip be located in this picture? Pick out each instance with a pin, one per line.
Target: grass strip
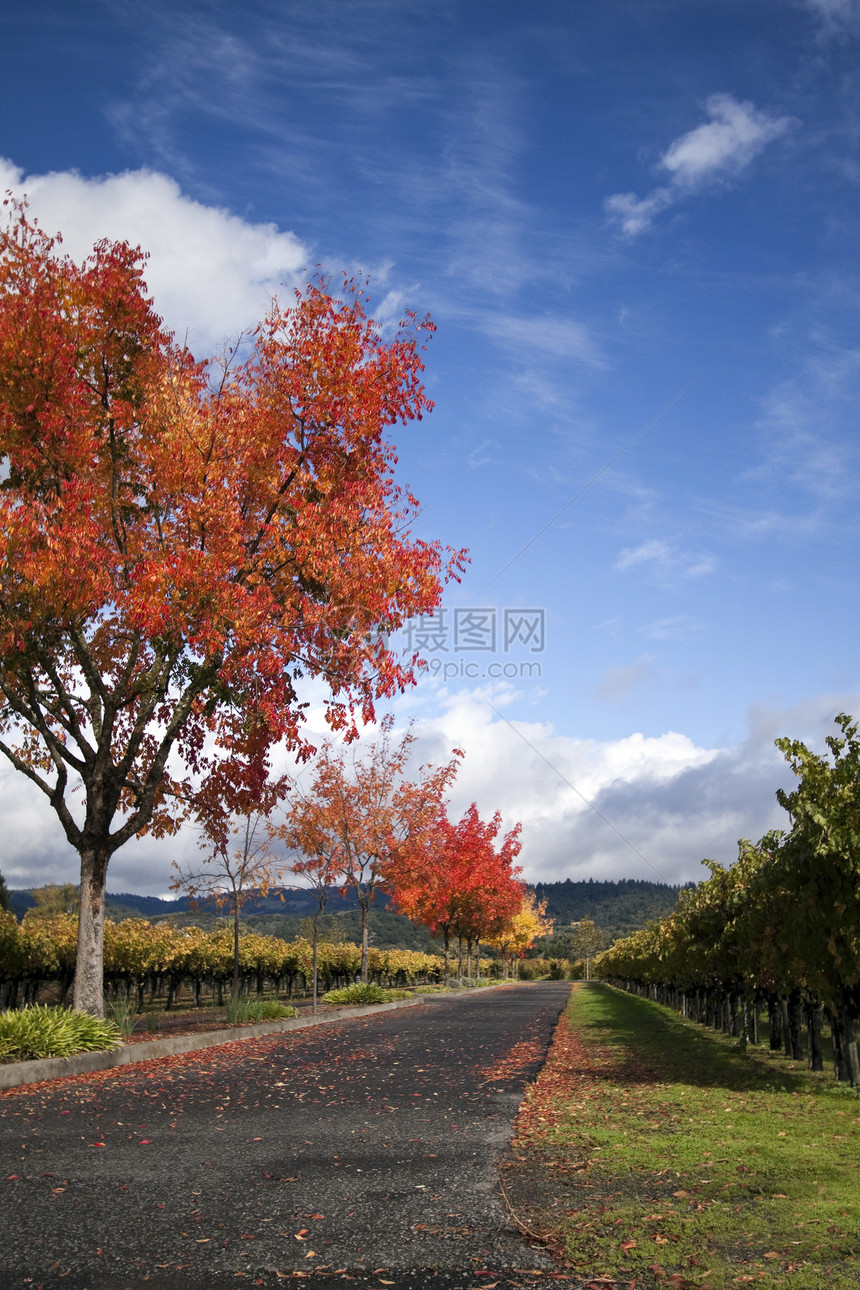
(658, 1153)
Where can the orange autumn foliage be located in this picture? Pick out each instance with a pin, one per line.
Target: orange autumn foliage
(364, 815)
(184, 542)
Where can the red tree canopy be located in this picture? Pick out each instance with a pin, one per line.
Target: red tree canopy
(459, 882)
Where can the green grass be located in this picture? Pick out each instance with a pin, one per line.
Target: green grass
(690, 1163)
(124, 1012)
(258, 1010)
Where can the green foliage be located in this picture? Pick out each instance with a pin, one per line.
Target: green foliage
(351, 995)
(123, 1013)
(387, 930)
(258, 1010)
(40, 1031)
(140, 955)
(4, 893)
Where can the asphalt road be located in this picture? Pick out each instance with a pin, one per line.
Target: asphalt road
(358, 1154)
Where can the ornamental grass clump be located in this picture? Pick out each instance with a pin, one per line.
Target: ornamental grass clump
(41, 1031)
(350, 995)
(258, 1010)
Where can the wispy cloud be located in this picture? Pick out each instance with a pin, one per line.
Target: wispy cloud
(672, 628)
(835, 15)
(805, 482)
(666, 560)
(714, 152)
(553, 338)
(620, 679)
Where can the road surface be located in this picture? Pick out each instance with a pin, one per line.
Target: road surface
(366, 1149)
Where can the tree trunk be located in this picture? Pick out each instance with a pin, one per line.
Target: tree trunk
(447, 955)
(316, 975)
(786, 1028)
(89, 971)
(234, 990)
(732, 1010)
(775, 1018)
(840, 1056)
(365, 944)
(849, 1044)
(795, 1023)
(813, 1026)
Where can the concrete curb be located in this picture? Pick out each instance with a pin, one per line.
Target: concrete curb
(14, 1074)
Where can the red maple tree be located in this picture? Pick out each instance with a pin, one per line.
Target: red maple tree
(459, 883)
(184, 541)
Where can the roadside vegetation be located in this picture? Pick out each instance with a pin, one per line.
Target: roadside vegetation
(39, 1031)
(665, 1155)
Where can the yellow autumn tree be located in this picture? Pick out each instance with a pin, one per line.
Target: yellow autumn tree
(521, 931)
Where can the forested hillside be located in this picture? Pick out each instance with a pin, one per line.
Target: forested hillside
(619, 908)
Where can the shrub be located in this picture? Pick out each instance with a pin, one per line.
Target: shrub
(258, 1010)
(358, 994)
(41, 1031)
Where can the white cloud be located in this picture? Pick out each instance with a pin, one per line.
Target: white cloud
(717, 150)
(545, 779)
(634, 214)
(669, 628)
(668, 562)
(648, 552)
(735, 135)
(659, 804)
(210, 273)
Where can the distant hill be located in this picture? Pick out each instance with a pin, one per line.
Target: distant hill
(297, 901)
(119, 905)
(619, 908)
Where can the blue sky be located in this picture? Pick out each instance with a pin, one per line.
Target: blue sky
(636, 226)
